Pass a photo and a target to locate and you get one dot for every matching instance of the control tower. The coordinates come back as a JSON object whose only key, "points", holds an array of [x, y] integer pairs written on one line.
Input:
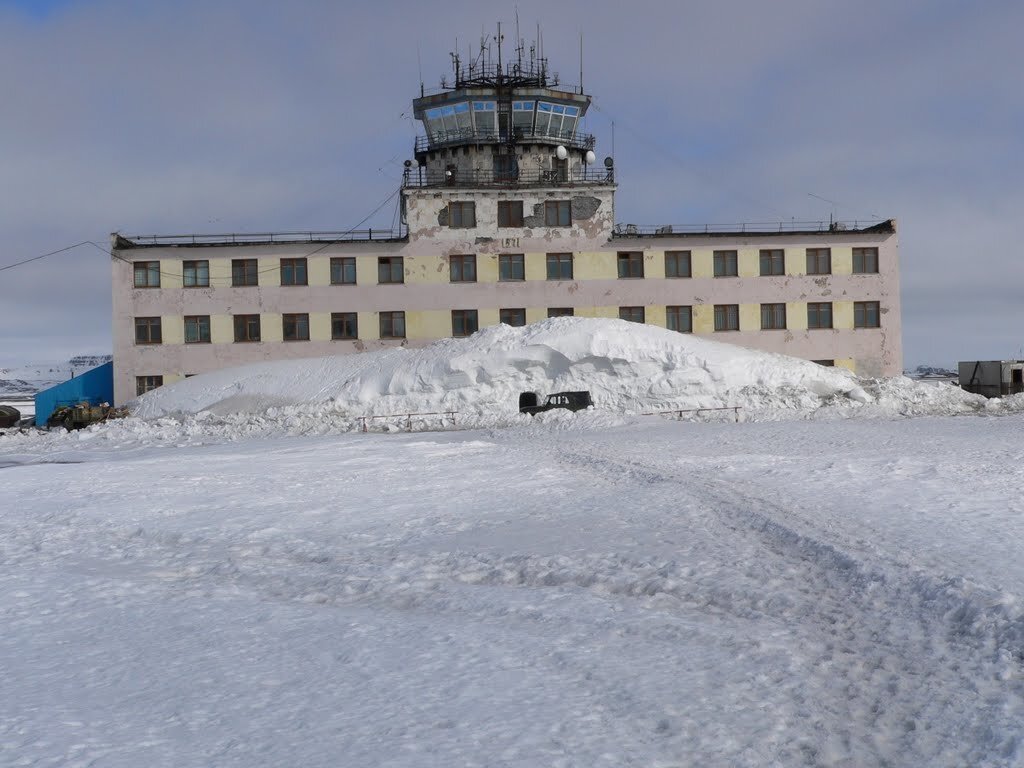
{"points": [[504, 154]]}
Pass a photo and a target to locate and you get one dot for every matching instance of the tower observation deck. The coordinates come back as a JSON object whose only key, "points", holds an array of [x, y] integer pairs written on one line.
{"points": [[504, 124]]}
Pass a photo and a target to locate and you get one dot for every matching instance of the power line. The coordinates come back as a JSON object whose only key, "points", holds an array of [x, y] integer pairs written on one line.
{"points": [[43, 256]]}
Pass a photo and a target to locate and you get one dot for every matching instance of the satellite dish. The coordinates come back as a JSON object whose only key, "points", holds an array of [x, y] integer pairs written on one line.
{"points": [[608, 163], [591, 157], [448, 173], [561, 152]]}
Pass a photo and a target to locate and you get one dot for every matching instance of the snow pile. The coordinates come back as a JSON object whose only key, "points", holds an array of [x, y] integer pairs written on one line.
{"points": [[627, 367]]}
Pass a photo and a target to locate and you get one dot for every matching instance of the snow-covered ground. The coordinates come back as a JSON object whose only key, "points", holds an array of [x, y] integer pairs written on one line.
{"points": [[826, 583]]}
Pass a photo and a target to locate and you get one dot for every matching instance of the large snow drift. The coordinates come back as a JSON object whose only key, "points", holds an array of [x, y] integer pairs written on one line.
{"points": [[627, 367]]}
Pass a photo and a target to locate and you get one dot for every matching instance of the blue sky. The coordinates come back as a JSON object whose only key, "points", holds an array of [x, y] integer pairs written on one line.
{"points": [[225, 115]]}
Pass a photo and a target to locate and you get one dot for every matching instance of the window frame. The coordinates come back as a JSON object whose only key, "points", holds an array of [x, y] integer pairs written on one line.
{"points": [[774, 259], [149, 269], [773, 316], [862, 311], [559, 260], [198, 322], [630, 265], [391, 263], [200, 274], [342, 320], [730, 317], [510, 213], [678, 312], [469, 319], [633, 314], [676, 259], [148, 338], [245, 273], [725, 263], [299, 322], [561, 312], [462, 207], [340, 268], [144, 384], [246, 323], [520, 314], [507, 263], [296, 268], [819, 261], [817, 306], [557, 213], [392, 316], [868, 257], [457, 268]]}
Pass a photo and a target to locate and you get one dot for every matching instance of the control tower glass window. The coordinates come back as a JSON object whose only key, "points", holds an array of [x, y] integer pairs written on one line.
{"points": [[556, 120], [522, 116], [449, 121], [485, 118]]}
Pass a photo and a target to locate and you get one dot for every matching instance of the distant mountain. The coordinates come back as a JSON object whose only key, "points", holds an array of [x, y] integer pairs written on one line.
{"points": [[26, 380], [930, 372]]}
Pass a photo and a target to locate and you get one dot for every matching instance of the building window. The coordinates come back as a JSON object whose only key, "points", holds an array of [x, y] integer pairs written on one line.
{"points": [[390, 269], [144, 384], [819, 314], [557, 213], [462, 269], [247, 327], [510, 213], [464, 322], [511, 267], [865, 261], [825, 363], [244, 272], [677, 264], [505, 168], [392, 325], [631, 264], [819, 261], [147, 330], [147, 274], [773, 262], [679, 319], [195, 274], [197, 329], [559, 266], [343, 270], [461, 215], [727, 317], [295, 327], [293, 272], [725, 264], [773, 317], [866, 314], [344, 325], [632, 314], [513, 317], [561, 312]]}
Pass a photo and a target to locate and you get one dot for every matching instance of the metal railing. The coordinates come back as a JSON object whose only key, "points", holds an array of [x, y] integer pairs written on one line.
{"points": [[269, 237], [678, 412], [442, 139], [365, 421], [423, 177], [653, 230]]}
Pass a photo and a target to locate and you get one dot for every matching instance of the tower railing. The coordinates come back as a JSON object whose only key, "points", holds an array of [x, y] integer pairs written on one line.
{"points": [[424, 177], [442, 139]]}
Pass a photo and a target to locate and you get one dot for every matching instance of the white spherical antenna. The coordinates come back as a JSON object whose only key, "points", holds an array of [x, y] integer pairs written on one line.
{"points": [[591, 157], [561, 153]]}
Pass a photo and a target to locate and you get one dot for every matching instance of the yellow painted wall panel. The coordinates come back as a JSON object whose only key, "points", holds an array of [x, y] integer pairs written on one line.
{"points": [[269, 271], [222, 329], [601, 265], [704, 318], [842, 260], [271, 328], [536, 266], [318, 271], [319, 326], [842, 314], [702, 263], [487, 317], [796, 315], [487, 268], [429, 270], [656, 315], [536, 314], [750, 317], [748, 262], [654, 266], [366, 270], [220, 272], [369, 325], [172, 329], [428, 324], [796, 261], [170, 378], [847, 362], [170, 273], [597, 312]]}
